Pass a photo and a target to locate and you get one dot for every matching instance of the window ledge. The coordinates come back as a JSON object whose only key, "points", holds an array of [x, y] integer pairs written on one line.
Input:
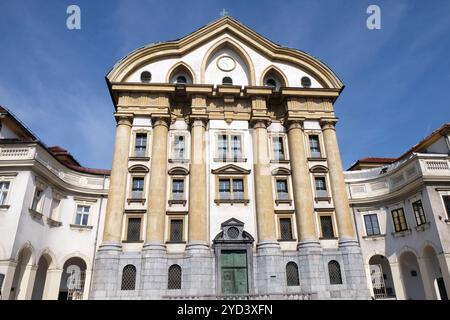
{"points": [[132, 241], [175, 242], [183, 202], [334, 238], [401, 233], [231, 201], [139, 158], [35, 214], [281, 201], [280, 161], [4, 207], [423, 226], [322, 199], [80, 227], [317, 159], [230, 159], [136, 200], [53, 223], [374, 237], [178, 160], [287, 240]]}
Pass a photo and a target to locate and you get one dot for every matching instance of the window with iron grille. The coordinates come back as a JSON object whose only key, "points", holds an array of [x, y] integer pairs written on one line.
{"points": [[278, 148], [141, 144], [4, 188], [282, 189], [177, 189], [398, 216], [314, 146], [138, 188], [371, 222], [179, 147], [285, 229], [134, 229], [128, 277], [334, 272], [236, 147], [326, 224], [292, 274], [176, 230], [418, 212], [223, 146], [174, 279], [446, 200]]}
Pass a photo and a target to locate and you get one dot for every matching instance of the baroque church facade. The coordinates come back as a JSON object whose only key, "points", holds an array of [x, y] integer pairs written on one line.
{"points": [[226, 180]]}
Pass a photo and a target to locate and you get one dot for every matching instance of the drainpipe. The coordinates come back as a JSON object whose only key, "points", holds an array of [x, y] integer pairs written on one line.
{"points": [[96, 234]]}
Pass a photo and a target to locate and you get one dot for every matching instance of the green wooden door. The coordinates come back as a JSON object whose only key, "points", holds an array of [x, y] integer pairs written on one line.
{"points": [[234, 271]]}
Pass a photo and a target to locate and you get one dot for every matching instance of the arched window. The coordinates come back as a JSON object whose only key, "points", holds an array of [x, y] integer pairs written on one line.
{"points": [[227, 80], [146, 76], [292, 274], [128, 277], [181, 80], [271, 83], [334, 272], [174, 281]]}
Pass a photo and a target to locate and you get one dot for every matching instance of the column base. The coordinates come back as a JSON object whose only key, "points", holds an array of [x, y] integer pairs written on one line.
{"points": [[158, 248], [309, 245], [110, 248]]}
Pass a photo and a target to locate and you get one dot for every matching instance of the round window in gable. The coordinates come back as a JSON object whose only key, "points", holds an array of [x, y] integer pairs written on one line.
{"points": [[306, 82], [181, 79], [227, 80], [146, 76], [271, 83]]}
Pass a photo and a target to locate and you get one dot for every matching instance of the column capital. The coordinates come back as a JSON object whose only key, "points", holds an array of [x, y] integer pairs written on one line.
{"points": [[294, 123], [195, 121], [260, 123], [161, 121], [124, 118], [328, 123]]}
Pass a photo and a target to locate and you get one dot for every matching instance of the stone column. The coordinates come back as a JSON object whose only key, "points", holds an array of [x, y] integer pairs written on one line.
{"points": [[27, 283], [398, 281], [427, 279], [263, 185], [301, 182], [117, 189], [339, 193], [157, 194], [52, 284], [8, 268], [198, 219], [444, 264]]}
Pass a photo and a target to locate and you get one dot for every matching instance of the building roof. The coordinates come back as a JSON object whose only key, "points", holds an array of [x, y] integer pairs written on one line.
{"points": [[373, 162], [60, 154]]}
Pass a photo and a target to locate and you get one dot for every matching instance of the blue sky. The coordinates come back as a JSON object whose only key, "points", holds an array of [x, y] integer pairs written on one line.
{"points": [[396, 78]]}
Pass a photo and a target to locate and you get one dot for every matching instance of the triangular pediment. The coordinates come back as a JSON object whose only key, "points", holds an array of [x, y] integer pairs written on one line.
{"points": [[232, 222], [230, 169]]}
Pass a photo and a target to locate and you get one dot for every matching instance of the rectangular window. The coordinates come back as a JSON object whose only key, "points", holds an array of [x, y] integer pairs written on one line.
{"points": [[238, 189], [282, 189], [134, 229], [223, 146], [176, 230], [278, 148], [236, 148], [141, 144], [326, 224], [371, 222], [138, 188], [82, 215], [314, 146], [446, 200], [285, 229], [54, 208], [177, 189], [36, 199], [4, 188], [321, 188], [398, 216], [224, 189], [418, 212], [179, 148]]}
